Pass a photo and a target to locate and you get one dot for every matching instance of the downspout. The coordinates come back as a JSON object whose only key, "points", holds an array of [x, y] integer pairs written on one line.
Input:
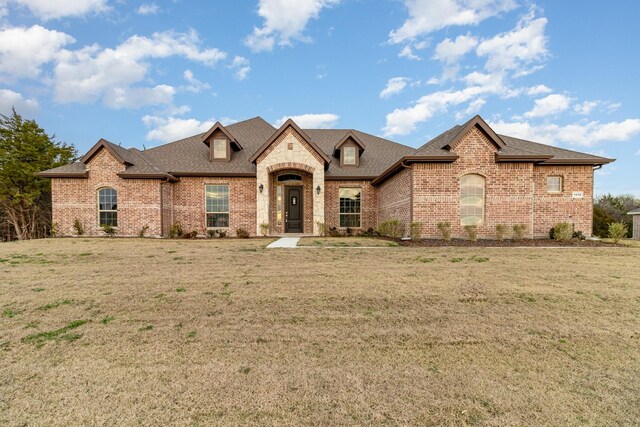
{"points": [[406, 228], [533, 204]]}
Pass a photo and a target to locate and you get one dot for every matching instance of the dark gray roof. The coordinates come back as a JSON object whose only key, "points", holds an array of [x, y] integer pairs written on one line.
{"points": [[190, 156], [634, 212]]}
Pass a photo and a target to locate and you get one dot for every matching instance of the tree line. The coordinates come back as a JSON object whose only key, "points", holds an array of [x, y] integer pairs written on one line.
{"points": [[25, 199]]}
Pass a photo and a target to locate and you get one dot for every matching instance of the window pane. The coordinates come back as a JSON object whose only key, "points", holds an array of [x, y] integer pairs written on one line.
{"points": [[472, 199], [350, 205], [217, 205], [220, 149], [107, 207], [215, 220], [109, 218], [349, 155], [554, 184]]}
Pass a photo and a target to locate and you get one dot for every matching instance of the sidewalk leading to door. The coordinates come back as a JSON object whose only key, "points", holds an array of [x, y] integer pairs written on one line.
{"points": [[284, 242]]}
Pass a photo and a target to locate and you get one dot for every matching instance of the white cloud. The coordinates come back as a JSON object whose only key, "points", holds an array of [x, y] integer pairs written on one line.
{"points": [[49, 9], [195, 85], [407, 52], [584, 134], [148, 9], [638, 153], [549, 105], [311, 121], [125, 97], [404, 121], [426, 16], [538, 90], [395, 85], [9, 99], [473, 108], [167, 129], [241, 65], [450, 51], [92, 73], [23, 51], [518, 48], [285, 20], [586, 107]]}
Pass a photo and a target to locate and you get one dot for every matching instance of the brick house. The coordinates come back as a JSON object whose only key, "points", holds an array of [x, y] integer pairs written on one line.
{"points": [[250, 173]]}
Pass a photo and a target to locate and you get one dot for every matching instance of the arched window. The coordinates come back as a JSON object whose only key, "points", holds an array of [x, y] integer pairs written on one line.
{"points": [[471, 199], [107, 207]]}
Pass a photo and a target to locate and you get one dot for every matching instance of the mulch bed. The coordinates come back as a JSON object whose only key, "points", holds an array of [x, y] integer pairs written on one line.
{"points": [[508, 243]]}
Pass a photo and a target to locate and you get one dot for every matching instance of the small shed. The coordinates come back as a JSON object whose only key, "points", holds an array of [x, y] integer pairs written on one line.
{"points": [[636, 223]]}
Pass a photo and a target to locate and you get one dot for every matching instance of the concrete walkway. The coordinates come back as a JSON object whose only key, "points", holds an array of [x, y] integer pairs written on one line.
{"points": [[284, 242]]}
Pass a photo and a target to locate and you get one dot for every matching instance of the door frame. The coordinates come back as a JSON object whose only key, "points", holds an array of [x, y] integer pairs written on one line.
{"points": [[286, 208]]}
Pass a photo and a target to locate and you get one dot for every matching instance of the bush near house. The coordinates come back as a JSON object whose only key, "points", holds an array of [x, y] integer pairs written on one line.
{"points": [[415, 230], [242, 233], [501, 232], [562, 232], [472, 232], [445, 230], [518, 231], [618, 231]]}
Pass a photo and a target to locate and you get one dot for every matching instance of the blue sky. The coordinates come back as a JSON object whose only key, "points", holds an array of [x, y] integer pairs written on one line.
{"points": [[144, 73]]}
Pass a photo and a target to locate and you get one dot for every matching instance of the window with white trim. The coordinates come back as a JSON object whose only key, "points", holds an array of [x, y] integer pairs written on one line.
{"points": [[554, 184], [472, 193], [107, 207], [217, 206], [350, 207], [219, 148], [349, 155]]}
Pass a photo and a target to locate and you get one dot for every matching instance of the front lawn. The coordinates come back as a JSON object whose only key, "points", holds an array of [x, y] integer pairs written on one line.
{"points": [[226, 332]]}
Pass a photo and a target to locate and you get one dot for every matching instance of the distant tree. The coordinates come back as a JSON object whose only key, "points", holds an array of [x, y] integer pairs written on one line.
{"points": [[25, 149], [609, 209]]}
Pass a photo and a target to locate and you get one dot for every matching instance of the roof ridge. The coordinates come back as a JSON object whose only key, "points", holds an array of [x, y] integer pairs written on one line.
{"points": [[553, 146]]}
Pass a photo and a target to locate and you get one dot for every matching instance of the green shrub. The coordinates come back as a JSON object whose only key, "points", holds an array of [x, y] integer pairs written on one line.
{"points": [[78, 227], [322, 228], [264, 229], [618, 231], [222, 233], [501, 232], [396, 229], [562, 232], [518, 231], [242, 233], [472, 232], [53, 231], [175, 230], [383, 228], [335, 232], [415, 230], [143, 231], [109, 231], [445, 230], [212, 233]]}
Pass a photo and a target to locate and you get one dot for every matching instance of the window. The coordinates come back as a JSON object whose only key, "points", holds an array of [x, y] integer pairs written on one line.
{"points": [[289, 177], [349, 156], [471, 199], [554, 184], [350, 201], [107, 207], [217, 201], [219, 148]]}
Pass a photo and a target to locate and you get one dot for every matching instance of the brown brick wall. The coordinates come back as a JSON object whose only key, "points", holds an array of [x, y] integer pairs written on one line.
{"points": [[138, 199], [368, 205], [509, 192], [189, 203], [394, 198]]}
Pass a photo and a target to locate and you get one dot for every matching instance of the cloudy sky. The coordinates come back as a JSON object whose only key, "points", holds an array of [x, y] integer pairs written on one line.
{"points": [[143, 73]]}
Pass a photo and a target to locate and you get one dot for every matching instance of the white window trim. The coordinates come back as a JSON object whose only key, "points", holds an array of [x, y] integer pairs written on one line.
{"points": [[484, 199], [105, 210], [361, 205], [561, 184], [211, 212], [226, 147], [344, 156]]}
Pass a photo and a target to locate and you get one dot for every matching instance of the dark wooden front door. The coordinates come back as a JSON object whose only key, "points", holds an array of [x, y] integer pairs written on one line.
{"points": [[293, 212]]}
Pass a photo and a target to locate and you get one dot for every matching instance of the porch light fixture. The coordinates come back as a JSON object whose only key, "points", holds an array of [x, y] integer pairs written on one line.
{"points": [[261, 188], [318, 190]]}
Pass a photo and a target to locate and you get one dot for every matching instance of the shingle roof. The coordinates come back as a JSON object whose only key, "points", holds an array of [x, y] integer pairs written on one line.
{"points": [[380, 157], [634, 212]]}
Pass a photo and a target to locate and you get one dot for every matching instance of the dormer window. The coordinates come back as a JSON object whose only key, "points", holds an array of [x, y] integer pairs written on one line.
{"points": [[220, 147], [349, 155]]}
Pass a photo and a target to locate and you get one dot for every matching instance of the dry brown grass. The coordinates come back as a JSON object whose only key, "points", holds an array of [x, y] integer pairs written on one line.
{"points": [[225, 333]]}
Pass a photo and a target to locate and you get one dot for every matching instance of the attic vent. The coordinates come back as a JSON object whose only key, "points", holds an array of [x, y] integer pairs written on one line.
{"points": [[290, 146]]}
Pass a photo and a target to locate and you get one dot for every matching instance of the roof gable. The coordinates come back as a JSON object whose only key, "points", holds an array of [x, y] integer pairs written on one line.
{"points": [[219, 127], [289, 124], [478, 122], [122, 155]]}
